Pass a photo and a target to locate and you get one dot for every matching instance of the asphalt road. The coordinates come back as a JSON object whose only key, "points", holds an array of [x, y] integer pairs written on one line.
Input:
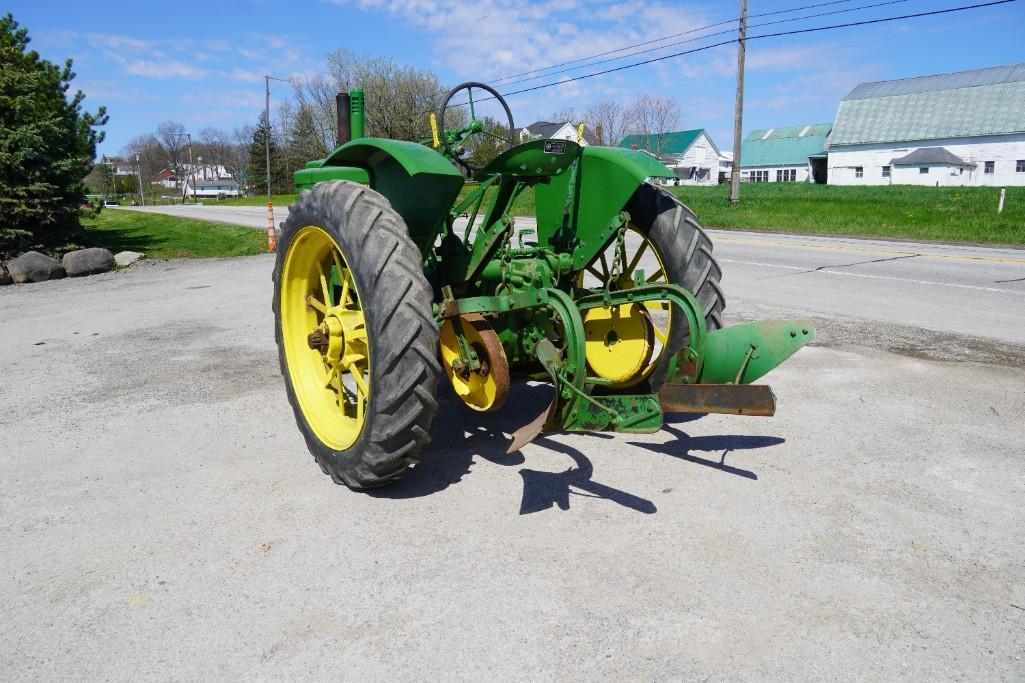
{"points": [[161, 519], [943, 288]]}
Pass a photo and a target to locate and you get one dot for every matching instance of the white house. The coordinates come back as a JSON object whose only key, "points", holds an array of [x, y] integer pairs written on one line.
{"points": [[795, 154], [210, 180], [690, 154], [547, 130], [965, 128]]}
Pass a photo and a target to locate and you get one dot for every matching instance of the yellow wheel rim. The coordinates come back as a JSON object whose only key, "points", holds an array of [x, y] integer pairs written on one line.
{"points": [[619, 341], [487, 387], [658, 313], [324, 335]]}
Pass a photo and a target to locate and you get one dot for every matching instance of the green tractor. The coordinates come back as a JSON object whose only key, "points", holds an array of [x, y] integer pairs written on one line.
{"points": [[386, 280]]}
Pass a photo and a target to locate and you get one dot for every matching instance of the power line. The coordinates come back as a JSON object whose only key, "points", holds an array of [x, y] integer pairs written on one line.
{"points": [[756, 37], [682, 33], [710, 35]]}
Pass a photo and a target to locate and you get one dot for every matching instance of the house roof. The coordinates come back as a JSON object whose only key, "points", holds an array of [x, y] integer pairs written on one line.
{"points": [[546, 129], [789, 146], [963, 104], [677, 142], [931, 155]]}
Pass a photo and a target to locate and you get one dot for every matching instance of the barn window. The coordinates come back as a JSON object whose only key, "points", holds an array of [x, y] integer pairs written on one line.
{"points": [[923, 170], [1020, 167], [859, 171], [886, 171], [990, 167]]}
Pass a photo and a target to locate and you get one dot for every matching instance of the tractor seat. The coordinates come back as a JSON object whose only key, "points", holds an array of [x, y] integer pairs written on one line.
{"points": [[534, 159]]}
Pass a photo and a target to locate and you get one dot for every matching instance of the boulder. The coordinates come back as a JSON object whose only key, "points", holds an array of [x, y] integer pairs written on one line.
{"points": [[34, 267], [88, 261], [5, 277], [127, 258]]}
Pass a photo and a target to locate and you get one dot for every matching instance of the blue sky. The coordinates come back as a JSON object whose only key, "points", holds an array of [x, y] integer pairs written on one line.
{"points": [[202, 63]]}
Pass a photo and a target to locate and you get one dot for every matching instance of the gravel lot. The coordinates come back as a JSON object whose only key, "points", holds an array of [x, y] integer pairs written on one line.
{"points": [[160, 517]]}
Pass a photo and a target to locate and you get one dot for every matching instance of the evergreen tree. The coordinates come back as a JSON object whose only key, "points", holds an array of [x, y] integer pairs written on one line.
{"points": [[47, 145], [281, 182], [304, 140]]}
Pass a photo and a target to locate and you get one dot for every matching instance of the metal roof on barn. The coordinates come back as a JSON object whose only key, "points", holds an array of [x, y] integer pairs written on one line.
{"points": [[789, 146], [672, 143], [963, 104]]}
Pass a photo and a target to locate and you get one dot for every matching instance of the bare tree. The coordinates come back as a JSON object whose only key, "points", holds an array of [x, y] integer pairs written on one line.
{"points": [[237, 162], [608, 121], [654, 115], [170, 136], [399, 98]]}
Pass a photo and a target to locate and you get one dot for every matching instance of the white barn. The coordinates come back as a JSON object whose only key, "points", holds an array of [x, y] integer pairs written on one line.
{"points": [[690, 154], [795, 154], [965, 128]]}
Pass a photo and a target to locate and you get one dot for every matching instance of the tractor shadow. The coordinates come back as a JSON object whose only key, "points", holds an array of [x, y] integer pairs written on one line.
{"points": [[458, 435], [683, 444]]}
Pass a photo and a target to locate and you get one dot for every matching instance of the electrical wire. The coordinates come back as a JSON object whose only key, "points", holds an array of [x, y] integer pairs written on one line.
{"points": [[710, 35], [677, 35], [865, 22]]}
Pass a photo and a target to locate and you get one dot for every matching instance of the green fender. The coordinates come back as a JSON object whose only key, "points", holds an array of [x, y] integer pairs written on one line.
{"points": [[605, 179], [420, 183]]}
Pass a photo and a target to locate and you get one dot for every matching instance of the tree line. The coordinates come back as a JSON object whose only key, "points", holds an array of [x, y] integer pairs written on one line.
{"points": [[399, 99]]}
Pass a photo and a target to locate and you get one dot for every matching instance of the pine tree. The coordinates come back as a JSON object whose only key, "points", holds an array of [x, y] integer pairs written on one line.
{"points": [[47, 146], [304, 140], [281, 183]]}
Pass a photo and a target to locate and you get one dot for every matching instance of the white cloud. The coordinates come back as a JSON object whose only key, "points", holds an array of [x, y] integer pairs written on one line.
{"points": [[163, 69]]}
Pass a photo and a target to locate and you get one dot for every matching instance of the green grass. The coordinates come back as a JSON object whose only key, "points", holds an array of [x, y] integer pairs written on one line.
{"points": [[163, 237], [259, 200], [961, 214]]}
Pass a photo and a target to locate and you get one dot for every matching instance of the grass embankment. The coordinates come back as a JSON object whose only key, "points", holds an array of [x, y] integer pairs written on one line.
{"points": [[163, 237], [960, 214], [260, 200]]}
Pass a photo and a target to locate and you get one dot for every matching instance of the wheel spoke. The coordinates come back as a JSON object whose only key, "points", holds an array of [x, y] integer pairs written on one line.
{"points": [[655, 276], [312, 302], [637, 258], [345, 289], [604, 266], [662, 336], [594, 271], [327, 291]]}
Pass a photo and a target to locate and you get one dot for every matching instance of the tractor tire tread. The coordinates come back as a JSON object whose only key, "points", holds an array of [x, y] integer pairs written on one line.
{"points": [[396, 300]]}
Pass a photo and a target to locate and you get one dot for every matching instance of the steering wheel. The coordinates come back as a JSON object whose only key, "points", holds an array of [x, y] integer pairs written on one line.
{"points": [[475, 127]]}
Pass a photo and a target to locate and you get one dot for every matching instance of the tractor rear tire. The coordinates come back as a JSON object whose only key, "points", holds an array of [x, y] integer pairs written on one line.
{"points": [[687, 253], [385, 267]]}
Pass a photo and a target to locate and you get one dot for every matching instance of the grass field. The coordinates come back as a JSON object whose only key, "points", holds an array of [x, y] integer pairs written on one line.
{"points": [[261, 200], [163, 237], [963, 214]]}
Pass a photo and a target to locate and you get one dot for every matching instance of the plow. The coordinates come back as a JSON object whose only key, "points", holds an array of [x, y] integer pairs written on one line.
{"points": [[401, 266]]}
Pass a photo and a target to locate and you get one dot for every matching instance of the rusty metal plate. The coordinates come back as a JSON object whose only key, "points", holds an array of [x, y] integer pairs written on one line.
{"points": [[731, 399]]}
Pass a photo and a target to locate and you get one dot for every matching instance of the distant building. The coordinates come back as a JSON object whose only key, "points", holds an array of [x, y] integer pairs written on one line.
{"points": [[118, 165], [210, 181], [548, 130], [965, 128], [792, 154], [690, 154]]}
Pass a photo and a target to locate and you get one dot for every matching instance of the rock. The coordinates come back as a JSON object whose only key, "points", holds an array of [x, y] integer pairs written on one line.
{"points": [[5, 277], [127, 258], [88, 261], [34, 267]]}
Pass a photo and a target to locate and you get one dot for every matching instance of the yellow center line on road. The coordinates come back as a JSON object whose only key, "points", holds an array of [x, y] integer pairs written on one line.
{"points": [[867, 250]]}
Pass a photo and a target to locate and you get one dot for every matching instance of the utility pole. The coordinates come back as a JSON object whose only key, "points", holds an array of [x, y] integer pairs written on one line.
{"points": [[271, 240], [142, 195], [192, 168], [738, 122]]}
